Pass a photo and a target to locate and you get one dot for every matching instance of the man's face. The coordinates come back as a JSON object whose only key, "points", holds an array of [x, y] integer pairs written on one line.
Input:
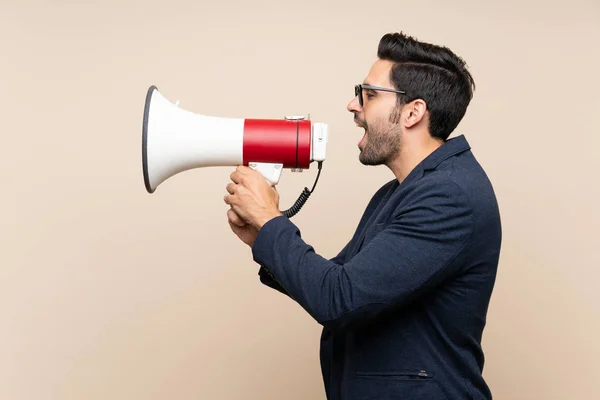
{"points": [[379, 116]]}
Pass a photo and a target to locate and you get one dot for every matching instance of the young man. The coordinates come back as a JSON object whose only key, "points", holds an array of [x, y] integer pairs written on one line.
{"points": [[403, 305]]}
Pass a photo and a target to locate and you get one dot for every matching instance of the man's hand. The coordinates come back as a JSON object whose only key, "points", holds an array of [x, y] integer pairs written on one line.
{"points": [[253, 201], [246, 232]]}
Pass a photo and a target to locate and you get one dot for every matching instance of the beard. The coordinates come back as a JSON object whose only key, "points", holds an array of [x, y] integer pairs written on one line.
{"points": [[383, 139]]}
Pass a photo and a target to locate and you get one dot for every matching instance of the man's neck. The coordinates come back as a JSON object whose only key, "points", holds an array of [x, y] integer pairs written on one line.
{"points": [[411, 154]]}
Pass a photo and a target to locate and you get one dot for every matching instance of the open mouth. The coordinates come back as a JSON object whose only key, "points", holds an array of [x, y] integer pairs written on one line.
{"points": [[361, 143]]}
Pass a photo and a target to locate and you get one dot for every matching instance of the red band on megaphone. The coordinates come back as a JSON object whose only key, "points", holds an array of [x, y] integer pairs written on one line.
{"points": [[284, 142]]}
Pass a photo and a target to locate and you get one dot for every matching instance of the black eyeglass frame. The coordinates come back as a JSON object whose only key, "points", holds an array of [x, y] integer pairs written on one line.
{"points": [[359, 88]]}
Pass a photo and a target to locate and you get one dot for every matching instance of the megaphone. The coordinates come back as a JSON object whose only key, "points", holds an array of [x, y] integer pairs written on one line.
{"points": [[176, 140]]}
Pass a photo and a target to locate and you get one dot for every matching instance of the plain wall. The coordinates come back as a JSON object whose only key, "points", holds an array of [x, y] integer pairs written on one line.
{"points": [[108, 292]]}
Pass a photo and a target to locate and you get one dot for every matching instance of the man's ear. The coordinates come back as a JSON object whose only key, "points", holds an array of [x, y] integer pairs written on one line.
{"points": [[415, 112]]}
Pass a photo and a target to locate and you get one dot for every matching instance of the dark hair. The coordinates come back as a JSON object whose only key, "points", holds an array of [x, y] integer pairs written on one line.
{"points": [[431, 73]]}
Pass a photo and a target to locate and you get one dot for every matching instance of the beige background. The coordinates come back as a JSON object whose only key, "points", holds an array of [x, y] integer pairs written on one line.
{"points": [[107, 292]]}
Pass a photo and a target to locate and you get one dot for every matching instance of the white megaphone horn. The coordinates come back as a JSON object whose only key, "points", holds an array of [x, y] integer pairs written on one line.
{"points": [[175, 140]]}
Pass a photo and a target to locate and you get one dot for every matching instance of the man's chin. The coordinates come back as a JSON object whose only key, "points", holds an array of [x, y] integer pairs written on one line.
{"points": [[366, 160]]}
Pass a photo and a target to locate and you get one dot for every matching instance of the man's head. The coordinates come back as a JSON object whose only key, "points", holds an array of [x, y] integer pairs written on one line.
{"points": [[428, 91]]}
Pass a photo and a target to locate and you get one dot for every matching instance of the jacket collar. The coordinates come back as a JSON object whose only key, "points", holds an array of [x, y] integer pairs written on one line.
{"points": [[449, 149]]}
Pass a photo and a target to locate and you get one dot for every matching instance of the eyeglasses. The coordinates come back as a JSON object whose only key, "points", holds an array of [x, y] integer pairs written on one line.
{"points": [[359, 88]]}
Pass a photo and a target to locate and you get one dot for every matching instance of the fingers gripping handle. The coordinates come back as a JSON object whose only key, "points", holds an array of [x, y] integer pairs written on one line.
{"points": [[271, 172]]}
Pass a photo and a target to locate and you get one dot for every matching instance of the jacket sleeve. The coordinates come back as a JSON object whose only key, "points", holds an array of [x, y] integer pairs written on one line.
{"points": [[413, 253], [267, 278]]}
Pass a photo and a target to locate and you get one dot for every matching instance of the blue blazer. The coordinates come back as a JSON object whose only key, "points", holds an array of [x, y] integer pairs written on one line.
{"points": [[403, 306]]}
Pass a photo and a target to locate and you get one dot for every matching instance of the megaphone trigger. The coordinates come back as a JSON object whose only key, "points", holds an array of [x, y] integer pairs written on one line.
{"points": [[271, 172]]}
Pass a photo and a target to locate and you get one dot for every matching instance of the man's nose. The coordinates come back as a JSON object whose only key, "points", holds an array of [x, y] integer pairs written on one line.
{"points": [[353, 105]]}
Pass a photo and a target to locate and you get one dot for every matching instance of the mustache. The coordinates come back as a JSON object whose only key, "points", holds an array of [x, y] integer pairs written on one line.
{"points": [[360, 122]]}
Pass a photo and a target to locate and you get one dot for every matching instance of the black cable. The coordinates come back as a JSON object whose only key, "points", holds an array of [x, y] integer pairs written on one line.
{"points": [[293, 210]]}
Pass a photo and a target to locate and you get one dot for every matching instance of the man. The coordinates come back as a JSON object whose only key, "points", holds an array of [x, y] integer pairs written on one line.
{"points": [[403, 305]]}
